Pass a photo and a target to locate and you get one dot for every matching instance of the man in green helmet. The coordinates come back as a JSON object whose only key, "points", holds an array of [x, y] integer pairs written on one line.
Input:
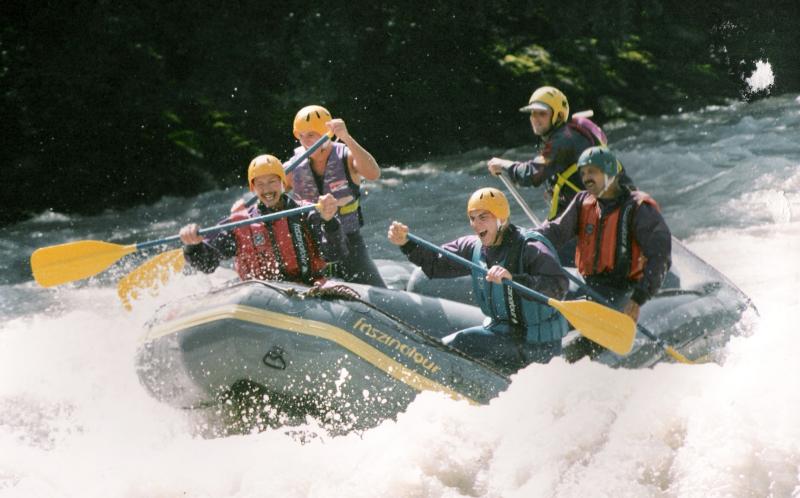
{"points": [[623, 243]]}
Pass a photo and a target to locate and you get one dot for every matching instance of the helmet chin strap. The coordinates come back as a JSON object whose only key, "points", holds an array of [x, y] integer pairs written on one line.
{"points": [[607, 184], [499, 234]]}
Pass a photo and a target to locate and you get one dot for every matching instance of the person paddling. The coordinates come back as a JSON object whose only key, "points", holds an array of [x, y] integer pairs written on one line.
{"points": [[561, 142], [518, 331], [336, 169], [296, 248], [624, 245]]}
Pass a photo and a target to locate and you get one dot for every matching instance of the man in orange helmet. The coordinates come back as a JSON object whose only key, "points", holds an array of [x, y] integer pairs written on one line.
{"points": [[296, 248], [520, 331], [336, 169]]}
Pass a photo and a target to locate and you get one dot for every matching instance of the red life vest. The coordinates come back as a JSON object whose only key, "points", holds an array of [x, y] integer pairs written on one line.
{"points": [[606, 245], [284, 249]]}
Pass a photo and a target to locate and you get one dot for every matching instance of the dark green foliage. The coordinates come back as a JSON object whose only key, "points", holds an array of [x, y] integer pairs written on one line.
{"points": [[110, 104]]}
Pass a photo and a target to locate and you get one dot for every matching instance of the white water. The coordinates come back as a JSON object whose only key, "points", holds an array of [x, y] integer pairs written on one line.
{"points": [[74, 421]]}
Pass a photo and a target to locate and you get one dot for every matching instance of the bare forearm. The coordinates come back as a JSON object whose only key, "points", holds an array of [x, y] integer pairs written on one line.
{"points": [[363, 162]]}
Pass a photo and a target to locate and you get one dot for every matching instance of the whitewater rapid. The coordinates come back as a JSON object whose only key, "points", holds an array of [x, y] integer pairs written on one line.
{"points": [[74, 421]]}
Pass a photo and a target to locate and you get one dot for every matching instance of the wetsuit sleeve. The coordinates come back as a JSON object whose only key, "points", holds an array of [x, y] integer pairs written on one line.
{"points": [[559, 152], [207, 255], [563, 150], [528, 173], [330, 237], [542, 272], [434, 265], [655, 241], [564, 228]]}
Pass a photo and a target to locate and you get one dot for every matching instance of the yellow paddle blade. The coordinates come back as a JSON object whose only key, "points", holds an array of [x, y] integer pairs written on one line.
{"points": [[55, 265], [149, 275], [609, 328]]}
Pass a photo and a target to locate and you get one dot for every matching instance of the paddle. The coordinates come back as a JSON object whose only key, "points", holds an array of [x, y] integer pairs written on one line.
{"points": [[600, 299], [156, 269], [55, 265], [160, 267], [515, 193], [591, 292], [605, 326]]}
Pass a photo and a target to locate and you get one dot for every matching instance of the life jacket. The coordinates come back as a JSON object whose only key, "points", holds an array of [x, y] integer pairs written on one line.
{"points": [[595, 135], [283, 249], [606, 245], [336, 180], [529, 320]]}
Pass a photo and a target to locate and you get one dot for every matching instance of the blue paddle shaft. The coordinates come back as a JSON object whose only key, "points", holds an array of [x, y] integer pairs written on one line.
{"points": [[267, 217], [469, 264], [316, 145], [289, 168], [228, 226]]}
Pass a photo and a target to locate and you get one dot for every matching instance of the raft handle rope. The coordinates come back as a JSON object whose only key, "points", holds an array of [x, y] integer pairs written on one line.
{"points": [[328, 290]]}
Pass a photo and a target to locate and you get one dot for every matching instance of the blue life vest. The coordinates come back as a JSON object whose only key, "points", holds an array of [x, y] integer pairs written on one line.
{"points": [[532, 321], [335, 180]]}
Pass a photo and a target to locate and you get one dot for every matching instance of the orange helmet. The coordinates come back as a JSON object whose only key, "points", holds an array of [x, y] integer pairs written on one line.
{"points": [[492, 200], [311, 118], [265, 165]]}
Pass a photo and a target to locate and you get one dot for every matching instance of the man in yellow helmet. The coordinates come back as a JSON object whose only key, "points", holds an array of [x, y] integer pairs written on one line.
{"points": [[561, 142], [337, 169], [296, 248], [519, 330]]}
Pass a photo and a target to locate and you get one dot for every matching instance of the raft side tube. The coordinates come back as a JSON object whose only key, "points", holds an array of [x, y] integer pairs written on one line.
{"points": [[348, 356]]}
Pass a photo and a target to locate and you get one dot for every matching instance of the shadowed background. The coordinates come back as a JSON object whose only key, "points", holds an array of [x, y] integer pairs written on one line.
{"points": [[114, 104]]}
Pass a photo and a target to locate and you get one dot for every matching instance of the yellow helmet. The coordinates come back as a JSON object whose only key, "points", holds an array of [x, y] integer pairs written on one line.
{"points": [[492, 200], [549, 98], [265, 164], [311, 118]]}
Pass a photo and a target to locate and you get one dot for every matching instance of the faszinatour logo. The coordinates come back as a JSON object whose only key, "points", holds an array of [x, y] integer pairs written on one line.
{"points": [[409, 351]]}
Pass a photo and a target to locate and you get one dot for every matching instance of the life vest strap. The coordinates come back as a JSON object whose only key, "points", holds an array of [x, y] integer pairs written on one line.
{"points": [[561, 181], [349, 208]]}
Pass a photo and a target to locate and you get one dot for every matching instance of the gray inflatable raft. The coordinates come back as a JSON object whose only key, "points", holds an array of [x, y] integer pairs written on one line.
{"points": [[355, 355]]}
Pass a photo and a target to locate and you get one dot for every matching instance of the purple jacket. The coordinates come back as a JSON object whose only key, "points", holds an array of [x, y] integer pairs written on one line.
{"points": [[541, 269]]}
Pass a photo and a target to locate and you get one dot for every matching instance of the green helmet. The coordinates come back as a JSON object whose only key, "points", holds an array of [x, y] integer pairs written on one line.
{"points": [[602, 158]]}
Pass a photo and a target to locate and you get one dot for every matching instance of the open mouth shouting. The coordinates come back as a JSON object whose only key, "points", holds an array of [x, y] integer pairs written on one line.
{"points": [[269, 198]]}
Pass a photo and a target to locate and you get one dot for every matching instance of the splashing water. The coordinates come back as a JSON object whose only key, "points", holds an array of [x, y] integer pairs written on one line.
{"points": [[74, 421], [762, 78]]}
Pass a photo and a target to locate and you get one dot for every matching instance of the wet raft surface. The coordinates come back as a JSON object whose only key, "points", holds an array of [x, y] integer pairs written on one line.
{"points": [[356, 355]]}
